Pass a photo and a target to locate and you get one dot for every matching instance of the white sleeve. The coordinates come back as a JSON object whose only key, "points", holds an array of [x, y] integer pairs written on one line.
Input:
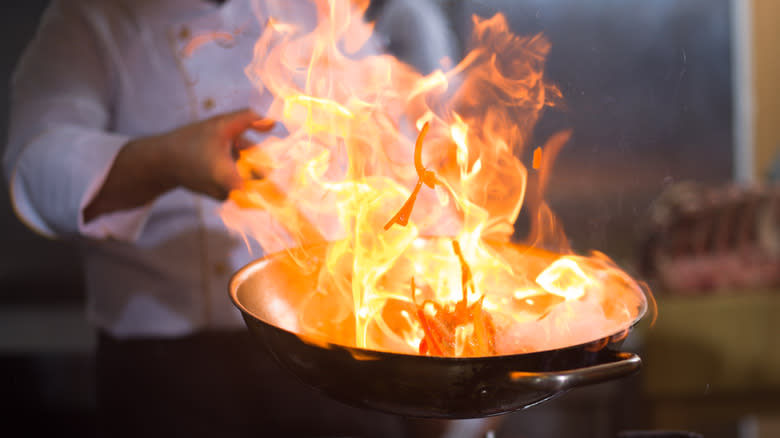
{"points": [[60, 149]]}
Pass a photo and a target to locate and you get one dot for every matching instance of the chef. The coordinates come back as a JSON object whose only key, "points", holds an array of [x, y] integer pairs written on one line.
{"points": [[122, 138]]}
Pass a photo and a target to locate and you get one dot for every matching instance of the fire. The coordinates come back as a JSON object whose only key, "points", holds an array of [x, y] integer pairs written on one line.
{"points": [[366, 136], [465, 330]]}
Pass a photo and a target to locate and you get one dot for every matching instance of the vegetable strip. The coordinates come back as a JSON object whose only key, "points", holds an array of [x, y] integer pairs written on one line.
{"points": [[425, 176], [440, 330], [465, 273]]}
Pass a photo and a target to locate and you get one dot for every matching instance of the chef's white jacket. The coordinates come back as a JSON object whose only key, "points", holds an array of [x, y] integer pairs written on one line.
{"points": [[99, 73]]}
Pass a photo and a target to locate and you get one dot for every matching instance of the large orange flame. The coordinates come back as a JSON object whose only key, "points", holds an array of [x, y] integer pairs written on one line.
{"points": [[349, 163]]}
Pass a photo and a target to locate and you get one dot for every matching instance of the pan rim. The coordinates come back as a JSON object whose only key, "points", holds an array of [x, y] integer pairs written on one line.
{"points": [[246, 271]]}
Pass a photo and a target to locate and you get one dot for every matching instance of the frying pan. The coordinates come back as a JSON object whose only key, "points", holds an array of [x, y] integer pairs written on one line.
{"points": [[269, 293]]}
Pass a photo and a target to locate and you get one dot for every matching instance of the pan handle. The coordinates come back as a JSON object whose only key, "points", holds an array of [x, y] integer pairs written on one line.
{"points": [[621, 364]]}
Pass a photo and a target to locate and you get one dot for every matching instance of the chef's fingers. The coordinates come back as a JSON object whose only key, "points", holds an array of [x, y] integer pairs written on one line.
{"points": [[249, 171], [233, 124], [263, 125], [242, 143], [226, 178]]}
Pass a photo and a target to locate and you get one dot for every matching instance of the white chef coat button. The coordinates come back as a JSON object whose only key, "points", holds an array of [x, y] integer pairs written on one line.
{"points": [[220, 268], [185, 33], [208, 104]]}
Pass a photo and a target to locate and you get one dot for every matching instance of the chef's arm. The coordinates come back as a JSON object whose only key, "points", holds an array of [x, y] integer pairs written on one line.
{"points": [[69, 173], [59, 144], [198, 157]]}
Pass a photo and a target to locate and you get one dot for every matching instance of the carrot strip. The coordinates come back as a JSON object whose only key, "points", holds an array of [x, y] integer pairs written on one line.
{"points": [[423, 347], [418, 166], [424, 176], [403, 215], [440, 329], [443, 333], [537, 163], [481, 329], [465, 272], [431, 343]]}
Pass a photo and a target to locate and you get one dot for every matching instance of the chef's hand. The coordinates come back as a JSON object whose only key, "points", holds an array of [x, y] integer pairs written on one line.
{"points": [[198, 157], [202, 154]]}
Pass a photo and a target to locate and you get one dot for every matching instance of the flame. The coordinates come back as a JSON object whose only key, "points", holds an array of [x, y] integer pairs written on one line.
{"points": [[353, 155]]}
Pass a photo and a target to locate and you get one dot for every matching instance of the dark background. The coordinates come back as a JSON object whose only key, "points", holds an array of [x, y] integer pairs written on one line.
{"points": [[29, 264], [648, 88]]}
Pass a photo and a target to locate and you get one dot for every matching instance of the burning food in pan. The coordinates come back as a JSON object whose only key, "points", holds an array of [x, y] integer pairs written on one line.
{"points": [[437, 276]]}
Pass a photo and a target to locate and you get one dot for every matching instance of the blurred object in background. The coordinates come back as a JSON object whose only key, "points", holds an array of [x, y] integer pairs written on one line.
{"points": [[648, 93], [774, 172], [658, 434], [713, 239], [33, 270]]}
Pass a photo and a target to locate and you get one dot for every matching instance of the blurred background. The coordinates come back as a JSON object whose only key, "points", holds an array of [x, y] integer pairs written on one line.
{"points": [[674, 110]]}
